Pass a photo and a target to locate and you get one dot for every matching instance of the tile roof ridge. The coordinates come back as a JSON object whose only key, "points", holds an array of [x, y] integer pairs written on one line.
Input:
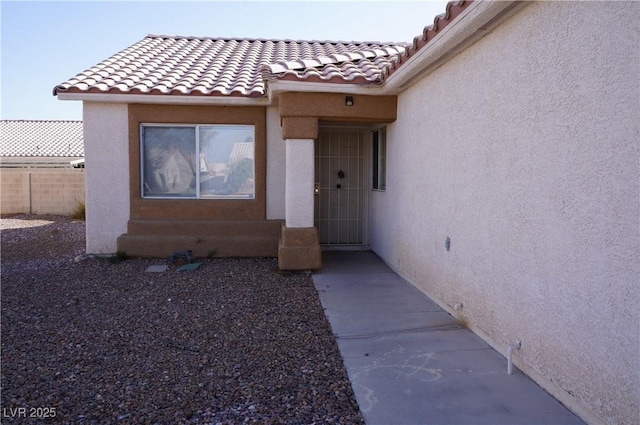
{"points": [[278, 40], [452, 10], [440, 21]]}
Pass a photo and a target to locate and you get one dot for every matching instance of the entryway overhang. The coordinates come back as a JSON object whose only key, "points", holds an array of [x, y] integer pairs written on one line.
{"points": [[300, 115], [300, 112]]}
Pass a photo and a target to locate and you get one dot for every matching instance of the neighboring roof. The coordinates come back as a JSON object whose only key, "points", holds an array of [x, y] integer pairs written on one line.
{"points": [[41, 138], [230, 67]]}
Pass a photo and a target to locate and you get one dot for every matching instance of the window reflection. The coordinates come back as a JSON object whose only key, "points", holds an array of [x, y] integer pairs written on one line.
{"points": [[225, 161]]}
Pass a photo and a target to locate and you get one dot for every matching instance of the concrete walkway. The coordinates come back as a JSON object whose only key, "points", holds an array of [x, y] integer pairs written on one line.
{"points": [[410, 362]]}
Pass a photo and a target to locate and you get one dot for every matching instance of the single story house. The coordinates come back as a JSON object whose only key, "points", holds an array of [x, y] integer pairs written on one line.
{"points": [[493, 163]]}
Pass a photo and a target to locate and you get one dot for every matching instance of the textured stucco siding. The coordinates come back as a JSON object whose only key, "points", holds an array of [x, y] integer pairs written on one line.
{"points": [[299, 183], [276, 167], [524, 150], [106, 149]]}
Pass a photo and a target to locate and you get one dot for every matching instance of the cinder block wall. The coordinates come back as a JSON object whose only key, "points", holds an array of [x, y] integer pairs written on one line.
{"points": [[14, 191], [41, 191]]}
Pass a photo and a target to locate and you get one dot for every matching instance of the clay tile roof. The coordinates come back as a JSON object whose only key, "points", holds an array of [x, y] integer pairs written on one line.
{"points": [[41, 138], [161, 64], [364, 66], [453, 9]]}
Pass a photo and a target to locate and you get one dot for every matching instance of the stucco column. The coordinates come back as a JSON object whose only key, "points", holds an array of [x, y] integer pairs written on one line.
{"points": [[299, 183], [299, 248], [107, 196]]}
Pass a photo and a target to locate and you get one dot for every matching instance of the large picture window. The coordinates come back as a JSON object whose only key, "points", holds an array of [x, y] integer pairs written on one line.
{"points": [[197, 161]]}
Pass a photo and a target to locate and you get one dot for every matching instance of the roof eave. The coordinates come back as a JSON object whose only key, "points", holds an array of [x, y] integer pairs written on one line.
{"points": [[473, 23], [165, 99], [279, 86]]}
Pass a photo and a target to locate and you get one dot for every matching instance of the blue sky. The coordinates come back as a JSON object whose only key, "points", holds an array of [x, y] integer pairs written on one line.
{"points": [[45, 43]]}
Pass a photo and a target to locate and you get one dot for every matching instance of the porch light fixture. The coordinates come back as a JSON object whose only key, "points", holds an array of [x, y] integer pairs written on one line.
{"points": [[348, 100]]}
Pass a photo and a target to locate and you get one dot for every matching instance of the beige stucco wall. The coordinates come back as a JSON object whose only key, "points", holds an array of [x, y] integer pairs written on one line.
{"points": [[276, 170], [106, 149], [524, 150], [41, 191]]}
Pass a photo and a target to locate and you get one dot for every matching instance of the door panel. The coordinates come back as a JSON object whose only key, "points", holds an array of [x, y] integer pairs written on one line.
{"points": [[340, 202]]}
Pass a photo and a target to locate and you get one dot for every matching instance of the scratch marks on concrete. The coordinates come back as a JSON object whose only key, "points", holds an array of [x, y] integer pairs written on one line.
{"points": [[411, 368]]}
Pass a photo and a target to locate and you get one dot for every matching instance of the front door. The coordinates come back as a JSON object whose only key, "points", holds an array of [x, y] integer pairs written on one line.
{"points": [[340, 194]]}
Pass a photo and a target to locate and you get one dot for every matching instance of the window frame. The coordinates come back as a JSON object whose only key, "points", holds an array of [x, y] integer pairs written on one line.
{"points": [[379, 159], [197, 196]]}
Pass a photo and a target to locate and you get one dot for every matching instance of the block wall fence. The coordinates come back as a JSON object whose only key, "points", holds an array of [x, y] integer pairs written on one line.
{"points": [[47, 191]]}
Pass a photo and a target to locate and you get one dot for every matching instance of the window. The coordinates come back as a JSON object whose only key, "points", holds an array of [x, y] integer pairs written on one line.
{"points": [[197, 161], [379, 148]]}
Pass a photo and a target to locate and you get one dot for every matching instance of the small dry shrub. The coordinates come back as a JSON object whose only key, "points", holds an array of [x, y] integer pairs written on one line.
{"points": [[79, 212]]}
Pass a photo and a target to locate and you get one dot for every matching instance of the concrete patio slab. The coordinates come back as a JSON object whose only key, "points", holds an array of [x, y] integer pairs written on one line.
{"points": [[410, 362], [370, 325], [370, 289], [351, 262]]}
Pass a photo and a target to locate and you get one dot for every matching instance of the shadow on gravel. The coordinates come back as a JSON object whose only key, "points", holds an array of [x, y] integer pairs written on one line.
{"points": [[93, 342]]}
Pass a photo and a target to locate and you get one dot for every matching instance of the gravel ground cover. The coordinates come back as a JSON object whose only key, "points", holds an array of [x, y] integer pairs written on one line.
{"points": [[86, 341]]}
